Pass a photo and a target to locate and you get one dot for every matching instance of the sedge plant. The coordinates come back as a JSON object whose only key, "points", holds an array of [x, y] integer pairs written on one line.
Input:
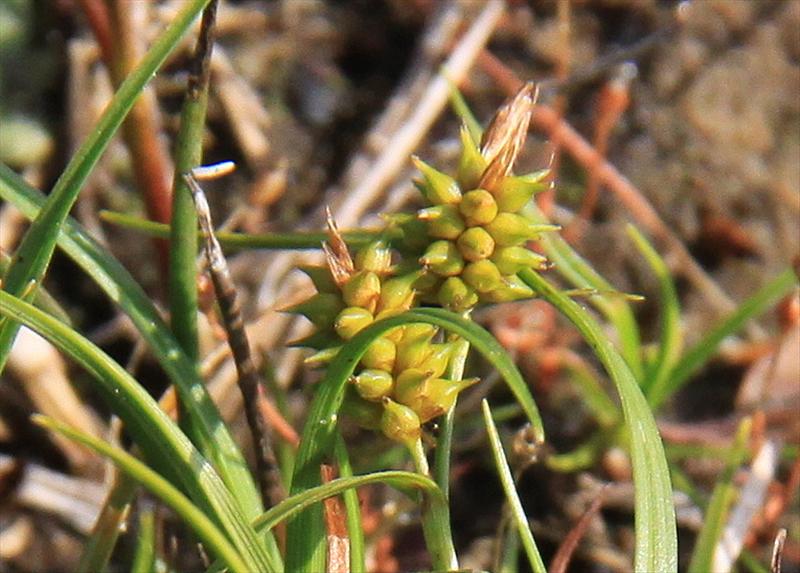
{"points": [[392, 329]]}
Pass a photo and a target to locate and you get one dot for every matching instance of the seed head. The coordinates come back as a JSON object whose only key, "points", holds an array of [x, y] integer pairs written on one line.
{"points": [[478, 207], [400, 423], [475, 244], [438, 188], [373, 385], [351, 321]]}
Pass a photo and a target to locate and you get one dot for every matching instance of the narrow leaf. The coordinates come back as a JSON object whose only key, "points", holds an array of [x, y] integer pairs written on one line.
{"points": [[580, 274], [670, 340], [214, 539], [698, 355], [33, 255], [239, 241], [206, 427], [656, 533], [510, 489], [718, 507], [161, 441]]}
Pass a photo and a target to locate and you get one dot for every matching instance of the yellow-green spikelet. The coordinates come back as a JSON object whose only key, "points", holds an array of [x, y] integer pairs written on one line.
{"points": [[476, 232], [468, 244], [369, 291]]}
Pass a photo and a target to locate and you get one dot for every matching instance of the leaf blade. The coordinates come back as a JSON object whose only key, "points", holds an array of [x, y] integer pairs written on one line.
{"points": [[656, 531], [160, 439], [206, 530], [509, 488], [36, 249]]}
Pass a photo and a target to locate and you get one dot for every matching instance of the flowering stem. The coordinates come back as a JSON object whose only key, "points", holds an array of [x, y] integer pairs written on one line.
{"points": [[441, 463], [420, 459], [435, 525]]}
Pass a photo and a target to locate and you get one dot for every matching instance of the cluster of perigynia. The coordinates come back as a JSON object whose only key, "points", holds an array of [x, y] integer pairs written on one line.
{"points": [[464, 248]]}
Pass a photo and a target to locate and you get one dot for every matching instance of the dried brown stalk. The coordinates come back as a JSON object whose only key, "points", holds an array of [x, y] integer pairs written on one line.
{"points": [[249, 381]]}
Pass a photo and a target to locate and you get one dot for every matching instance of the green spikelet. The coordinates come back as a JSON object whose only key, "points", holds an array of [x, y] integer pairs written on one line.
{"points": [[513, 289], [438, 188], [478, 207], [351, 321], [318, 340], [437, 359], [414, 346], [511, 260], [475, 244], [373, 385], [428, 397], [400, 423], [443, 221], [483, 276], [363, 289], [380, 355], [321, 309], [415, 235], [510, 229], [409, 384], [322, 357], [456, 295], [443, 258], [471, 163], [514, 192], [375, 257], [397, 294]]}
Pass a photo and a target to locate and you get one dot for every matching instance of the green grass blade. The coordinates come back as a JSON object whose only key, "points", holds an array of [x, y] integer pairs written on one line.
{"points": [[145, 554], [404, 481], [444, 441], [718, 507], [697, 356], [100, 544], [671, 339], [208, 431], [306, 547], [510, 489], [580, 274], [183, 243], [435, 503], [42, 299], [232, 242], [161, 441], [355, 529], [602, 407], [208, 532], [656, 534], [33, 255], [462, 110]]}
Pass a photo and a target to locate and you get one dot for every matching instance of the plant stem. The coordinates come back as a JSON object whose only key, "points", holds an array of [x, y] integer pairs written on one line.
{"points": [[189, 151], [435, 526], [441, 462], [355, 529], [239, 241], [420, 459]]}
